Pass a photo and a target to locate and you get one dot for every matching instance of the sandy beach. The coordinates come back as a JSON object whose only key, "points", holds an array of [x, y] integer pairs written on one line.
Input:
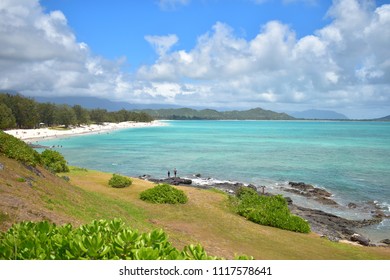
{"points": [[50, 133]]}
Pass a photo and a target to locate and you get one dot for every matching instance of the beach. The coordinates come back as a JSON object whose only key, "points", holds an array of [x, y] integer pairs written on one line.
{"points": [[52, 133]]}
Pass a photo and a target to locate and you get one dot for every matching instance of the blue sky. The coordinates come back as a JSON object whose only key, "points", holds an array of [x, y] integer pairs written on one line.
{"points": [[283, 55], [115, 28]]}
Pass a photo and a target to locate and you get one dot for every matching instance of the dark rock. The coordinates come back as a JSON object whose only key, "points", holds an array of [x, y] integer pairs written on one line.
{"points": [[198, 175], [289, 200], [252, 187], [34, 170], [360, 239], [310, 191], [145, 177], [352, 205], [326, 201], [329, 225], [172, 181], [385, 241]]}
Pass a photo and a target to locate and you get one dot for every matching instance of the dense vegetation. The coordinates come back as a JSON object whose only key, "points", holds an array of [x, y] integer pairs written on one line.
{"points": [[17, 149], [191, 114], [54, 161], [164, 193], [17, 111], [118, 181], [99, 240], [267, 210]]}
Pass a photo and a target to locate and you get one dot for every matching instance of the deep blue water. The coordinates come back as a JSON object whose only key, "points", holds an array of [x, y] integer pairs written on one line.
{"points": [[350, 159]]}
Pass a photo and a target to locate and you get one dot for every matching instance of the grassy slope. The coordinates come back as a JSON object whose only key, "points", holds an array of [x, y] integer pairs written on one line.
{"points": [[205, 219]]}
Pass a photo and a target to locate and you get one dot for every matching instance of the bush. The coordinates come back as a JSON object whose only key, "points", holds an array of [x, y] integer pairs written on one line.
{"points": [[54, 161], [268, 210], [118, 181], [16, 149], [99, 240], [164, 193]]}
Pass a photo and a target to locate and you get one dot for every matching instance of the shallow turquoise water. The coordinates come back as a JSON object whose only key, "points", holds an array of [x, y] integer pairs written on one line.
{"points": [[350, 159]]}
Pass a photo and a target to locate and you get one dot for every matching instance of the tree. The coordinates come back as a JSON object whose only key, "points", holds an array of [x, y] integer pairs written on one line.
{"points": [[65, 115], [46, 113], [25, 111], [98, 115], [82, 115], [7, 119]]}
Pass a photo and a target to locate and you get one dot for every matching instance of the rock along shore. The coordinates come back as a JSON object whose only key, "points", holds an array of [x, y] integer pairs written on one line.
{"points": [[327, 225]]}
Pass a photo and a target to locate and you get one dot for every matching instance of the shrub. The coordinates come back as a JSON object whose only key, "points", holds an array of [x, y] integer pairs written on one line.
{"points": [[54, 161], [267, 210], [164, 193], [99, 240], [118, 181], [16, 149]]}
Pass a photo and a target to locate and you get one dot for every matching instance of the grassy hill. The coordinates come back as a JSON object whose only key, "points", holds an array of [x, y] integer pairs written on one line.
{"points": [[35, 194]]}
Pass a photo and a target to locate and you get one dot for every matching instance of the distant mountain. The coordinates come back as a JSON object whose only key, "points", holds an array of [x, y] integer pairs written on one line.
{"points": [[208, 114], [319, 115], [387, 118], [94, 102]]}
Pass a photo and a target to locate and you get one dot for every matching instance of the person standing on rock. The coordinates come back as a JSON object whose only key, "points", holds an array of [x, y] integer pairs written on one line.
{"points": [[169, 174], [175, 172]]}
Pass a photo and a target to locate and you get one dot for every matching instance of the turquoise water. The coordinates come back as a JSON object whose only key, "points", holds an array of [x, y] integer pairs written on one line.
{"points": [[349, 159]]}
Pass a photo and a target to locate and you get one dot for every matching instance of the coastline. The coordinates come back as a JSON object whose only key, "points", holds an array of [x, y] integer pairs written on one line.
{"points": [[39, 134], [325, 224]]}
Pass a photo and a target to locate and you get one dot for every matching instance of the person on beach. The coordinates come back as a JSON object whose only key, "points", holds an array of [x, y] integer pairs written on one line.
{"points": [[169, 174], [175, 172]]}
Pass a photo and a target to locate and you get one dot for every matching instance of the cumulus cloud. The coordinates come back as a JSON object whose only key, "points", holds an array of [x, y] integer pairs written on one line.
{"points": [[345, 64], [39, 54]]}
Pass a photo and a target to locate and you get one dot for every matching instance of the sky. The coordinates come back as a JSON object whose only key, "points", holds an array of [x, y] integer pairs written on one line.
{"points": [[282, 55]]}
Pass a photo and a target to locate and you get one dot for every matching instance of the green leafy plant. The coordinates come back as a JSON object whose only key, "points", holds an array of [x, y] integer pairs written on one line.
{"points": [[98, 240], [17, 149], [267, 210], [118, 181], [164, 193], [54, 161]]}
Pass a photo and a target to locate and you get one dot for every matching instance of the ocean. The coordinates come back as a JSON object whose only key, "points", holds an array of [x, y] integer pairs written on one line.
{"points": [[350, 159]]}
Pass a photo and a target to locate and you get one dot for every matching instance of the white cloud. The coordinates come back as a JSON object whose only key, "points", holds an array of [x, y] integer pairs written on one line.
{"points": [[172, 4], [39, 54], [162, 44], [345, 64]]}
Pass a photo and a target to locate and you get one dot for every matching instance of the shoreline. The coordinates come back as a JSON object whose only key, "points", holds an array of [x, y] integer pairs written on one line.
{"points": [[40, 134], [323, 223]]}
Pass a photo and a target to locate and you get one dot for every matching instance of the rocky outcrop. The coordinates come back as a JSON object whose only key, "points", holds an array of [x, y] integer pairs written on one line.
{"points": [[360, 239], [334, 227], [385, 241], [172, 181], [310, 191]]}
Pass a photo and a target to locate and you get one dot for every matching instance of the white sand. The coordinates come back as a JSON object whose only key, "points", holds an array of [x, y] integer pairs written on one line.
{"points": [[47, 133]]}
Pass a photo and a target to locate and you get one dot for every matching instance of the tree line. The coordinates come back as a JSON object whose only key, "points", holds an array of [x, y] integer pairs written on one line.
{"points": [[17, 111]]}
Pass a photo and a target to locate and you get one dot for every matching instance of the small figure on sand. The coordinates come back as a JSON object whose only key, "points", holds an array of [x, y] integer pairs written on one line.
{"points": [[169, 174], [174, 172]]}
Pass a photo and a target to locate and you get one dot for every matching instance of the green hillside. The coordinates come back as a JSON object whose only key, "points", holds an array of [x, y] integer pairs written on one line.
{"points": [[208, 114]]}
